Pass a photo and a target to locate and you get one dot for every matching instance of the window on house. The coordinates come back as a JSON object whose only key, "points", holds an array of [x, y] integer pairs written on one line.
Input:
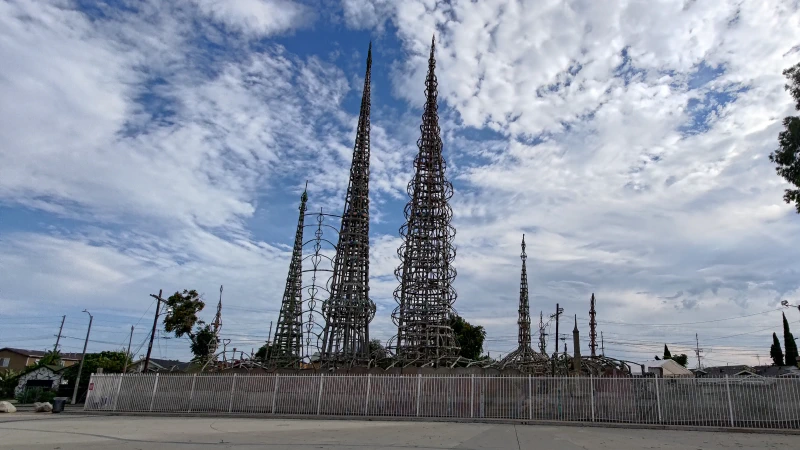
{"points": [[4, 362]]}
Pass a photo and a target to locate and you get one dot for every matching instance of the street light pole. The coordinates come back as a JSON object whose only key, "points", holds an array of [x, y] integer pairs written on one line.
{"points": [[83, 357]]}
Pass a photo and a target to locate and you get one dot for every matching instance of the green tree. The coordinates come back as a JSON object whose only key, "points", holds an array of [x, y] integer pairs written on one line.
{"points": [[377, 350], [667, 354], [681, 359], [264, 352], [110, 362], [469, 337], [789, 344], [182, 316], [775, 351], [202, 342], [787, 157], [8, 381]]}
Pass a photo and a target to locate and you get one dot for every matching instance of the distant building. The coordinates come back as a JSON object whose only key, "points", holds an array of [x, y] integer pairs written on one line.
{"points": [[667, 368], [160, 365], [45, 377], [777, 371], [740, 370], [18, 359]]}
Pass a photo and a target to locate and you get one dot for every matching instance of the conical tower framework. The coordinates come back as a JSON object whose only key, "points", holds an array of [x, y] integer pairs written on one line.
{"points": [[524, 357], [287, 345], [216, 327], [425, 296], [592, 328], [349, 310]]}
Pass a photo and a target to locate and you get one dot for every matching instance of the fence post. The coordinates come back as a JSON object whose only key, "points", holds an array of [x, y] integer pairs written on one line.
{"points": [[275, 392], [116, 396], [419, 390], [233, 386], [472, 395], [153, 398], [591, 391], [319, 396], [89, 392], [658, 400], [530, 397], [191, 393], [369, 384], [730, 404]]}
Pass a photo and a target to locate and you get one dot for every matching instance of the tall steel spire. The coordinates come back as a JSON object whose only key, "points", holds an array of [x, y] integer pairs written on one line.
{"points": [[287, 345], [425, 296], [592, 328], [349, 309], [524, 356]]}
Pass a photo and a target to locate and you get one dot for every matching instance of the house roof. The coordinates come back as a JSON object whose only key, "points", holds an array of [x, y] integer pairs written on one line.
{"points": [[167, 364], [728, 370], [777, 371], [40, 353], [668, 367]]}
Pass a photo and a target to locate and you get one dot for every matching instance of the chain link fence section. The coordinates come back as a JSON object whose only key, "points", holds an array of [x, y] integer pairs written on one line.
{"points": [[719, 402]]}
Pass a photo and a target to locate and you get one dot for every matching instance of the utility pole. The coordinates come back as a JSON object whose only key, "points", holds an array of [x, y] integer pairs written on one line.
{"points": [[128, 353], [58, 339], [83, 357], [559, 310], [153, 333], [697, 351], [602, 345]]}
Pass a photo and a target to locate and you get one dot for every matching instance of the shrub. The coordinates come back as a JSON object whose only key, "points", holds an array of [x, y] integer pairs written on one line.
{"points": [[36, 394]]}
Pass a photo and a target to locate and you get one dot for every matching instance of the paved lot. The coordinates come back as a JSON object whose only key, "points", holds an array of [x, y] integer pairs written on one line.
{"points": [[71, 432]]}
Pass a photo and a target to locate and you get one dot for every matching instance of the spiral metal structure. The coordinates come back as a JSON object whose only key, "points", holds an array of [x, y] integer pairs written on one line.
{"points": [[524, 358], [287, 345], [349, 310], [425, 296]]}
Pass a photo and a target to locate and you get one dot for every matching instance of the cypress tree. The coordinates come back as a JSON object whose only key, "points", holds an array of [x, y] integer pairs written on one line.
{"points": [[789, 344], [775, 351], [667, 354]]}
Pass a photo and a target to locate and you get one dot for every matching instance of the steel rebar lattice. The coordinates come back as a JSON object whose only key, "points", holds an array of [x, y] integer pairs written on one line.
{"points": [[592, 328], [287, 345], [425, 296], [524, 357], [349, 309]]}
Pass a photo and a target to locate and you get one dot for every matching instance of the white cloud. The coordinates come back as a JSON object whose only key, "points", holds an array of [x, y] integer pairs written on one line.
{"points": [[258, 17]]}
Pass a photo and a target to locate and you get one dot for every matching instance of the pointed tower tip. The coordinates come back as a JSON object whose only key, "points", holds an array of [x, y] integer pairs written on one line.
{"points": [[575, 330]]}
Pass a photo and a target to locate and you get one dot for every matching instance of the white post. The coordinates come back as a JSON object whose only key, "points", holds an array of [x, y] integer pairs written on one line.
{"points": [[153, 398], [116, 396], [191, 393], [472, 395], [366, 403], [275, 392], [530, 398], [658, 400], [88, 393], [419, 390], [233, 386], [319, 396], [591, 391], [730, 404]]}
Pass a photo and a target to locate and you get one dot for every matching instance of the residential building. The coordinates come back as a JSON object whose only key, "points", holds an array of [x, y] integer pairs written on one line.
{"points": [[667, 368], [18, 359], [160, 365]]}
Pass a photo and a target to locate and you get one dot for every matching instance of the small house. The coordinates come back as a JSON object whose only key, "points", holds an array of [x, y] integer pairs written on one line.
{"points": [[45, 377]]}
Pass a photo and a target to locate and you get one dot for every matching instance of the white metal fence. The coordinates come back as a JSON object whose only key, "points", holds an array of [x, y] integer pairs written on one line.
{"points": [[729, 402]]}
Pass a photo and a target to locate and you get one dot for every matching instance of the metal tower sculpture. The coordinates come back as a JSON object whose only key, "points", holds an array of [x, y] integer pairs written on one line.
{"points": [[592, 328], [425, 296], [216, 327], [287, 345], [349, 310], [524, 356]]}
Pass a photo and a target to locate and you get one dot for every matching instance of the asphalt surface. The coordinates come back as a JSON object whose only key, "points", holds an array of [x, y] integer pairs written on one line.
{"points": [[72, 432]]}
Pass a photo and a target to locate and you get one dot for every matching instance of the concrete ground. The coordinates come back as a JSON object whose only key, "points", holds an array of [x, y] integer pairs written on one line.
{"points": [[72, 432]]}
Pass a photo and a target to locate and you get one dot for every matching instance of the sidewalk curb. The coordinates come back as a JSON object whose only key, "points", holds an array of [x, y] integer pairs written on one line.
{"points": [[631, 426]]}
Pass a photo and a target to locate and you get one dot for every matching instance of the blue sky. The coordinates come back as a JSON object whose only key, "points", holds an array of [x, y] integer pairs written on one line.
{"points": [[154, 145]]}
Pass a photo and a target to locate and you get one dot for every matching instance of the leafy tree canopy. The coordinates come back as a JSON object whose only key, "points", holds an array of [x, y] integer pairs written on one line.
{"points": [[264, 352], [787, 156], [183, 309], [202, 342], [469, 337], [111, 362], [377, 350]]}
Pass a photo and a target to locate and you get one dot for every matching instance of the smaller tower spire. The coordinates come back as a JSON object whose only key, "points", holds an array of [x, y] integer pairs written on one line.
{"points": [[576, 341], [592, 328]]}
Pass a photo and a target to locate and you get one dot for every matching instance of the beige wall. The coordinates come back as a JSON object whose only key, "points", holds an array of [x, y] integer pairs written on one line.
{"points": [[19, 362]]}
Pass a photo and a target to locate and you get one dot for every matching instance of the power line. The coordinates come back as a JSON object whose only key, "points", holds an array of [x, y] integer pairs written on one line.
{"points": [[684, 323]]}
